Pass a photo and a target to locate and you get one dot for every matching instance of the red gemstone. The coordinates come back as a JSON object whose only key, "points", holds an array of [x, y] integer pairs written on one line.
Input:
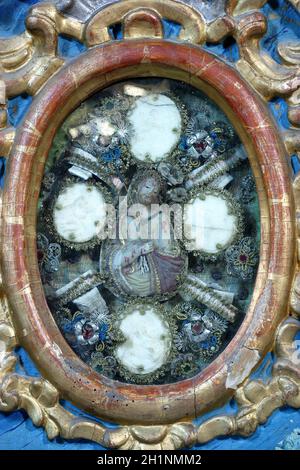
{"points": [[201, 145], [197, 328], [243, 258], [87, 331]]}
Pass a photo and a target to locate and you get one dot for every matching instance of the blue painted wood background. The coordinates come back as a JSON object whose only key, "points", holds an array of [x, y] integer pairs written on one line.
{"points": [[282, 431]]}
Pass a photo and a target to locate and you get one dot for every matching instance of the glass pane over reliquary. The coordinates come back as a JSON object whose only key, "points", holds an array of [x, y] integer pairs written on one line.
{"points": [[148, 231]]}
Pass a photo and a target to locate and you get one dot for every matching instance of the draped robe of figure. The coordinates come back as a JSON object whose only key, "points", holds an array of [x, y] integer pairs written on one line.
{"points": [[142, 265]]}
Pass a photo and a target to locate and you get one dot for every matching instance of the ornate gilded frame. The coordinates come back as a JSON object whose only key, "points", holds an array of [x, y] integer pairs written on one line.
{"points": [[152, 416]]}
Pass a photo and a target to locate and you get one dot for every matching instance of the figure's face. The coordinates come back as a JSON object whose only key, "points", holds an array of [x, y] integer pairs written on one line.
{"points": [[148, 191]]}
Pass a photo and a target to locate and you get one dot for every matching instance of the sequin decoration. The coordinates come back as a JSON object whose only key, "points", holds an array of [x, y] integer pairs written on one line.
{"points": [[242, 258]]}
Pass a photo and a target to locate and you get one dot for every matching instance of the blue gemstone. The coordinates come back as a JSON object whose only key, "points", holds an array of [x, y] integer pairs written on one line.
{"points": [[117, 152], [183, 143], [102, 332], [68, 327], [107, 157]]}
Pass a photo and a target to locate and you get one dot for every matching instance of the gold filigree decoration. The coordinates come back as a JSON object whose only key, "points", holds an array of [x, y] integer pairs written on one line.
{"points": [[26, 63]]}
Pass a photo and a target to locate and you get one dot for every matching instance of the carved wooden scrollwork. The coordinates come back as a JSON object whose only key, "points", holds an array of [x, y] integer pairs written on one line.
{"points": [[193, 25], [26, 65]]}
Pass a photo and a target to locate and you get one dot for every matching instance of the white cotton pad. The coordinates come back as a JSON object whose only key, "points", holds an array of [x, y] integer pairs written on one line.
{"points": [[209, 224], [79, 213], [156, 127], [148, 341]]}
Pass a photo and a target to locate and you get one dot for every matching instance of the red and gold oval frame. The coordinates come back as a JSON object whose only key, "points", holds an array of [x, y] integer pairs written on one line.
{"points": [[35, 327]]}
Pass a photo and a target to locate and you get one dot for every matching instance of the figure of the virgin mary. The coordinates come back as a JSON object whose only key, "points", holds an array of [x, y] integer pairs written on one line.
{"points": [[141, 266]]}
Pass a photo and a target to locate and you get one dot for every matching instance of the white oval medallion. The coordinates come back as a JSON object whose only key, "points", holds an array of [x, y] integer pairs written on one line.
{"points": [[79, 213], [210, 223], [156, 127], [148, 340]]}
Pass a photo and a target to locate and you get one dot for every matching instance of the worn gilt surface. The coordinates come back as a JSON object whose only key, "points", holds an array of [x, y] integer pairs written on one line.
{"points": [[26, 63]]}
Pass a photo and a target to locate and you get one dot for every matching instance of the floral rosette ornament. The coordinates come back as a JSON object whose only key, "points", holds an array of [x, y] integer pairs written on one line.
{"points": [[48, 254], [86, 332], [242, 258]]}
